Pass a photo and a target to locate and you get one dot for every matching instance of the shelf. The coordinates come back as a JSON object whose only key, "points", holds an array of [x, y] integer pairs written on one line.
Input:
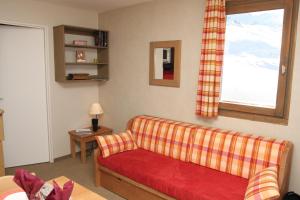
{"points": [[64, 36], [84, 47], [68, 63]]}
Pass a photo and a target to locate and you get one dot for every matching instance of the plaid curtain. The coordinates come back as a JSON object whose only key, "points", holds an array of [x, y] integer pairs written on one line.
{"points": [[211, 59]]}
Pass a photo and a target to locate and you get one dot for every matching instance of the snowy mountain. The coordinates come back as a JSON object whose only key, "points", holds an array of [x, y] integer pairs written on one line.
{"points": [[252, 57]]}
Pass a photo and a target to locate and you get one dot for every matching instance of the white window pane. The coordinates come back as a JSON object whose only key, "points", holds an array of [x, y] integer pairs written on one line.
{"points": [[252, 58]]}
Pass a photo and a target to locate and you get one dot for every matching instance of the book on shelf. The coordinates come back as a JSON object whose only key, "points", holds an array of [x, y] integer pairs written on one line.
{"points": [[101, 39], [78, 76], [80, 42]]}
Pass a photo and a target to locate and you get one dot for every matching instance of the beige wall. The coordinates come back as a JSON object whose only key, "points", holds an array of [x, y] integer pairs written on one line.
{"points": [[128, 92], [70, 102]]}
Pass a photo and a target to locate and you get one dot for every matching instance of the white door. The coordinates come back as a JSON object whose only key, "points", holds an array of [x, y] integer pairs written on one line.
{"points": [[23, 93]]}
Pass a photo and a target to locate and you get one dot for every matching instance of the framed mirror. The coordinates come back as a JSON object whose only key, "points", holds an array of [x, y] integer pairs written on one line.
{"points": [[165, 60]]}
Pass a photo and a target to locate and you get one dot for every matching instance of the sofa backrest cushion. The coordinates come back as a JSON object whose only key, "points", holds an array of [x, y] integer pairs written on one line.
{"points": [[227, 151], [166, 137], [233, 152]]}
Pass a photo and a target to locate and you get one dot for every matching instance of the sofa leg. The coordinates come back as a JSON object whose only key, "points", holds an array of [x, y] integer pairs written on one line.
{"points": [[96, 168]]}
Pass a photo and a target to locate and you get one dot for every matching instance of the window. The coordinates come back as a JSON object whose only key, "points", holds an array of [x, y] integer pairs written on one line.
{"points": [[258, 56]]}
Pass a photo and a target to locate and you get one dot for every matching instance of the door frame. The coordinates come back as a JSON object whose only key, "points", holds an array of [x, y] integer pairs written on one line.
{"points": [[47, 77]]}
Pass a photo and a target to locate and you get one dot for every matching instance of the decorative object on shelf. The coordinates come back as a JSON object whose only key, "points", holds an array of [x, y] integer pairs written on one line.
{"points": [[80, 42], [86, 63], [96, 60], [96, 110], [78, 76], [80, 56], [101, 39]]}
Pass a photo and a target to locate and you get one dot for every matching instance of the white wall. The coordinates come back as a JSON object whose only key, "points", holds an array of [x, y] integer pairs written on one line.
{"points": [[128, 93], [70, 101]]}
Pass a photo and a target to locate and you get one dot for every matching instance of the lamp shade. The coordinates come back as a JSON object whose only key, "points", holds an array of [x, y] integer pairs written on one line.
{"points": [[96, 109]]}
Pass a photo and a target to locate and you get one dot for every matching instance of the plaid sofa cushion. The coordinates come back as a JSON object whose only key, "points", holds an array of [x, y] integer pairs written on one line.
{"points": [[227, 151], [166, 137], [263, 185], [234, 153], [116, 143]]}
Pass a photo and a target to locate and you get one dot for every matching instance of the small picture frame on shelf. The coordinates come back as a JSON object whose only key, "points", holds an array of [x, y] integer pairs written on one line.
{"points": [[80, 56]]}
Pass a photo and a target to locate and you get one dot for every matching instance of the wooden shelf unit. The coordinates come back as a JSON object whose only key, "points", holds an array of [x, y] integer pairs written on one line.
{"points": [[60, 46]]}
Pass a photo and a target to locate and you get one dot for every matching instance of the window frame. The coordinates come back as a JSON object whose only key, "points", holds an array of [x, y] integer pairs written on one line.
{"points": [[281, 112]]}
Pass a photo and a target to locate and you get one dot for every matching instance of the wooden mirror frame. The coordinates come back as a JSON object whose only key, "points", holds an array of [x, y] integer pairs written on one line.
{"points": [[176, 44]]}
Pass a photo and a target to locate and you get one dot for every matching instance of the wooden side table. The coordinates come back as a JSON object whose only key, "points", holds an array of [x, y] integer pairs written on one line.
{"points": [[84, 138]]}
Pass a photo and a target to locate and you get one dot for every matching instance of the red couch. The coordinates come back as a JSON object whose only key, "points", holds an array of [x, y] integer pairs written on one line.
{"points": [[186, 161]]}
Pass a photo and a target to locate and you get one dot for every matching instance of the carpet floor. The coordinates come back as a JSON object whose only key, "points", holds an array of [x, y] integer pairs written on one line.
{"points": [[71, 168]]}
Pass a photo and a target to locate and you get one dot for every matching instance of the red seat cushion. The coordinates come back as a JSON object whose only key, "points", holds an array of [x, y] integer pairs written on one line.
{"points": [[176, 178]]}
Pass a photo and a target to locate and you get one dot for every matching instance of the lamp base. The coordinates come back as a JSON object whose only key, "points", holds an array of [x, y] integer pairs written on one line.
{"points": [[95, 124]]}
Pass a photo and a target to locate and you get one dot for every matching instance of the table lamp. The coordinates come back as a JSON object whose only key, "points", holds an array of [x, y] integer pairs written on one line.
{"points": [[95, 110]]}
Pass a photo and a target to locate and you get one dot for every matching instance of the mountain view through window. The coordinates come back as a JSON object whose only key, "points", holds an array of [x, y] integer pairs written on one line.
{"points": [[252, 58]]}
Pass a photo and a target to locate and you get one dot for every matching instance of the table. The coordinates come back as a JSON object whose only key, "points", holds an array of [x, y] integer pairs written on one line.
{"points": [[85, 138], [7, 184], [79, 192]]}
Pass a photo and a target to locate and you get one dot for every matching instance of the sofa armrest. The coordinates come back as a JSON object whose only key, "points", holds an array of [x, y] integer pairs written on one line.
{"points": [[285, 168], [97, 173]]}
